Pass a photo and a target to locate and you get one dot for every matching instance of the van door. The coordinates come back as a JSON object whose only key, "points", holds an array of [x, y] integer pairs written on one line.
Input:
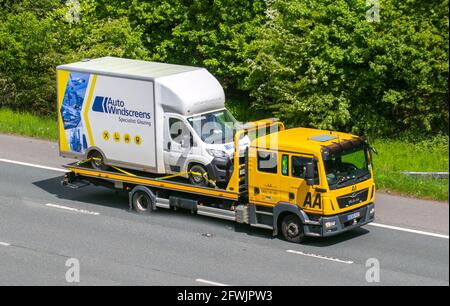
{"points": [[177, 146]]}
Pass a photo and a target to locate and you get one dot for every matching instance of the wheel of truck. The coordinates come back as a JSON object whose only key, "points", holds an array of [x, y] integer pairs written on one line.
{"points": [[197, 175], [96, 159], [142, 202], [292, 229]]}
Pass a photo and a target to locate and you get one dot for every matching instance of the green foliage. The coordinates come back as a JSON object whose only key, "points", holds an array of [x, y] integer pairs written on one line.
{"points": [[34, 40], [311, 63], [28, 124], [396, 156], [321, 63]]}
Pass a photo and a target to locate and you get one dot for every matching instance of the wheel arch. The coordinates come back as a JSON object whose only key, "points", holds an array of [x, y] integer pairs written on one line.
{"points": [[94, 148], [281, 210], [147, 190]]}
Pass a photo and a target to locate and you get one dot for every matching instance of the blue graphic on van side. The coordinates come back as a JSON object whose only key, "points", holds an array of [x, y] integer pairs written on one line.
{"points": [[71, 108]]}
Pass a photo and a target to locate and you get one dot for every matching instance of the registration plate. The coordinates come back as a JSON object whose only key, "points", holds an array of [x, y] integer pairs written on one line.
{"points": [[353, 216]]}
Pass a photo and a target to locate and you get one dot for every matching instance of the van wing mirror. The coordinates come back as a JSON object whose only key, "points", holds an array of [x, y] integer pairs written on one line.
{"points": [[310, 174]]}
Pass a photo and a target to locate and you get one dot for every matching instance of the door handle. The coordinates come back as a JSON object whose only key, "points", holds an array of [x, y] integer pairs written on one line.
{"points": [[256, 190], [169, 146]]}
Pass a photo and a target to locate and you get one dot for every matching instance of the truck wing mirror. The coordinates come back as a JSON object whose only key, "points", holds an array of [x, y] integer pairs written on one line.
{"points": [[310, 174]]}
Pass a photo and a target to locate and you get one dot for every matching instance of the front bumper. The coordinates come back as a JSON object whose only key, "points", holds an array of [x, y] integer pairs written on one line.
{"points": [[220, 169], [341, 223]]}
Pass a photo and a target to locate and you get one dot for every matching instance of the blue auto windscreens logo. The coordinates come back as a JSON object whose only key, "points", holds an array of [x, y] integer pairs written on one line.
{"points": [[117, 107]]}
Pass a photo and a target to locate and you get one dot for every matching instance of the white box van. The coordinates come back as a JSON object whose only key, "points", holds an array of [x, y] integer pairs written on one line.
{"points": [[147, 116]]}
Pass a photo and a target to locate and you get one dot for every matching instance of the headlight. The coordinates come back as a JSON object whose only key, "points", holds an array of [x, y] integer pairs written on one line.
{"points": [[372, 211], [330, 224], [216, 153]]}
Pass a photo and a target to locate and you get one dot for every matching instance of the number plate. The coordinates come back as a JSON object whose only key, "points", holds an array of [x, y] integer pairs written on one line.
{"points": [[353, 216]]}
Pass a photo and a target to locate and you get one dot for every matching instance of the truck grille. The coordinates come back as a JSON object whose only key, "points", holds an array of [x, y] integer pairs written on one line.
{"points": [[353, 198]]}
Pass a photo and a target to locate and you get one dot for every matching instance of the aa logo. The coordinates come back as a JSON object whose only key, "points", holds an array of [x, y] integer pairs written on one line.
{"points": [[317, 201]]}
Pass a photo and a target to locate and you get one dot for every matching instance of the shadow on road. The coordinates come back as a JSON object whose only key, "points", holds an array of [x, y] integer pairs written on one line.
{"points": [[102, 196], [96, 195]]}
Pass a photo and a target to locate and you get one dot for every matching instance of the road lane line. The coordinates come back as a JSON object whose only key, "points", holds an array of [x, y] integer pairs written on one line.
{"points": [[31, 165], [348, 262], [4, 244], [210, 282], [82, 211], [408, 230]]}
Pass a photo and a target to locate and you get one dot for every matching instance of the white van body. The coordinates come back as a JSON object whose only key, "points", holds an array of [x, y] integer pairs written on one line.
{"points": [[144, 116]]}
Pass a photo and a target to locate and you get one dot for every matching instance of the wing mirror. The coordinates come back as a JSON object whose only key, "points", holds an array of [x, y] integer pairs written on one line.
{"points": [[310, 176]]}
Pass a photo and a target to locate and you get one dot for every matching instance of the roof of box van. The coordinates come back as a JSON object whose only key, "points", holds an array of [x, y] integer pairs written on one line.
{"points": [[127, 68], [184, 90]]}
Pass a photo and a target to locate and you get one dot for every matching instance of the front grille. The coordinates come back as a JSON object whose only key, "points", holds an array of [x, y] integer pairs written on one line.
{"points": [[353, 198]]}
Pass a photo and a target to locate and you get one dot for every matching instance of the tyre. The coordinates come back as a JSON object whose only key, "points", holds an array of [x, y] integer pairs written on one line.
{"points": [[197, 176], [292, 229], [97, 161], [142, 202]]}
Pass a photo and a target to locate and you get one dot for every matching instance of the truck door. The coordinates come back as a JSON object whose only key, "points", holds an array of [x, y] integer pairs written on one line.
{"points": [[293, 184], [177, 144], [265, 183]]}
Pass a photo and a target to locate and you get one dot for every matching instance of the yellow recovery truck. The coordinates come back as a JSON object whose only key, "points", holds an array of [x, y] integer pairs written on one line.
{"points": [[298, 182]]}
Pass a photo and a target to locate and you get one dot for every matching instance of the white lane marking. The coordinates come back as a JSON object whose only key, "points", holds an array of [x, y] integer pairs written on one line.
{"points": [[4, 244], [348, 262], [82, 211], [210, 282], [408, 230], [31, 165]]}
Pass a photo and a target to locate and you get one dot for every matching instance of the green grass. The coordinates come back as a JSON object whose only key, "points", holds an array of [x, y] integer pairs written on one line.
{"points": [[395, 156], [27, 124]]}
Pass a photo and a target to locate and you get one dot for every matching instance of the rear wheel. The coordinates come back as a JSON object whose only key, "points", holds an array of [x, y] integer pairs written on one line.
{"points": [[97, 162], [198, 175], [142, 202], [292, 229]]}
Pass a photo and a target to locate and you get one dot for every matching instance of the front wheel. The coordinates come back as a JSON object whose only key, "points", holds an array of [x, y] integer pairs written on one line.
{"points": [[292, 229], [198, 176]]}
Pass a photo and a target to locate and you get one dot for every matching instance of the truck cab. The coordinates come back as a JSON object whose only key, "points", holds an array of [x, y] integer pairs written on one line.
{"points": [[311, 182]]}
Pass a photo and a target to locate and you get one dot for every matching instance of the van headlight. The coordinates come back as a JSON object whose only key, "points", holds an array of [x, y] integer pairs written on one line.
{"points": [[216, 153]]}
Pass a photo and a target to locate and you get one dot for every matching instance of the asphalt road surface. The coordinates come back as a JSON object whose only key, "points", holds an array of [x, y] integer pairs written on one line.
{"points": [[43, 224]]}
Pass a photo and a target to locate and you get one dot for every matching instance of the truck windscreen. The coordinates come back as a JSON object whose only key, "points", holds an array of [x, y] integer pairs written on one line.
{"points": [[215, 127], [348, 168]]}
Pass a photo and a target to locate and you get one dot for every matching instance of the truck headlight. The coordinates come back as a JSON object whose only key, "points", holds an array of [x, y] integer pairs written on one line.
{"points": [[372, 211], [216, 153], [330, 224]]}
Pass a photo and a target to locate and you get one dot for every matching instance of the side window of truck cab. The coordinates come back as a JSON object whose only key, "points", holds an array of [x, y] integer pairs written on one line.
{"points": [[267, 162]]}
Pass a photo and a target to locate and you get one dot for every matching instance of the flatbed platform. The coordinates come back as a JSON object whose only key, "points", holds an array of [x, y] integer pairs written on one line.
{"points": [[84, 170]]}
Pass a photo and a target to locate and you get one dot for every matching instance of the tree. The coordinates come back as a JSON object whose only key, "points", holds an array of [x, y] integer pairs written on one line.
{"points": [[322, 64]]}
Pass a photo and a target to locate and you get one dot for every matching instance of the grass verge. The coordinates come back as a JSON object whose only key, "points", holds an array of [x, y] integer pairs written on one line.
{"points": [[394, 156], [27, 124]]}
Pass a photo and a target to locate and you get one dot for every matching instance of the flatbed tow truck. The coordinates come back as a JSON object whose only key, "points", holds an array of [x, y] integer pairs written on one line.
{"points": [[298, 182]]}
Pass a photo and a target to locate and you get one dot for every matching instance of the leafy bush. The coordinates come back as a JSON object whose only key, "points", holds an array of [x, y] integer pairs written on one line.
{"points": [[321, 63]]}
